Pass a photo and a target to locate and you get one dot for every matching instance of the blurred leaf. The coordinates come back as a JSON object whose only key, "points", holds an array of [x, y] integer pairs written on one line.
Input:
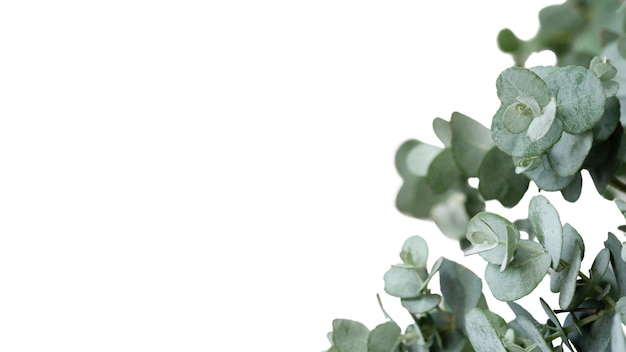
{"points": [[414, 252], [461, 290], [450, 215], [522, 275], [443, 131], [350, 336], [384, 338], [507, 41], [579, 96], [483, 328], [470, 143], [568, 154], [547, 226], [499, 180], [443, 173], [414, 157]]}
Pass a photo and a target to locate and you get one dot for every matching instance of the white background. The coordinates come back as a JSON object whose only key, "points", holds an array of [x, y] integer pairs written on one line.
{"points": [[206, 176]]}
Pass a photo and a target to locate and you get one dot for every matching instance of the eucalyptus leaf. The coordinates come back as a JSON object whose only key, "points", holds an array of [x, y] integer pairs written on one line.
{"points": [[529, 329], [564, 279], [618, 342], [620, 309], [499, 179], [403, 282], [470, 142], [572, 192], [520, 144], [547, 226], [522, 275], [555, 321], [546, 178], [605, 127], [443, 172], [568, 154], [542, 124], [517, 81], [461, 290], [600, 265], [415, 157], [443, 131], [450, 215], [350, 336], [579, 97], [488, 227], [483, 329], [619, 266], [414, 251], [384, 338], [421, 304]]}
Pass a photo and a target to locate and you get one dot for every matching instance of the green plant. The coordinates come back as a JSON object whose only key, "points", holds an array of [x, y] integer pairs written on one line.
{"points": [[553, 123]]}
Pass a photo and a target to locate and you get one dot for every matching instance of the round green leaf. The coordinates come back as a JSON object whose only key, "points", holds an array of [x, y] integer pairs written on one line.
{"points": [[579, 96], [414, 252], [482, 330], [488, 225], [443, 173], [418, 157], [350, 335], [572, 192], [470, 142], [520, 144], [507, 41], [384, 338], [421, 304], [522, 275], [451, 216], [603, 129], [517, 81], [568, 154], [547, 226], [517, 118], [403, 282], [499, 179], [546, 178]]}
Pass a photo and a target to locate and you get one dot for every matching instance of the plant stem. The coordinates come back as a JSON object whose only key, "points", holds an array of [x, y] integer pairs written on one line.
{"points": [[587, 320], [598, 289]]}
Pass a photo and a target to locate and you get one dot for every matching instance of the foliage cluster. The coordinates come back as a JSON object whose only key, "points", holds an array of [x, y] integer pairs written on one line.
{"points": [[553, 122]]}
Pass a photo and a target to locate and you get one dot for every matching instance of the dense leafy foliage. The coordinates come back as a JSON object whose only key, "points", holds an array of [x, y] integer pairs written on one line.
{"points": [[553, 123]]}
